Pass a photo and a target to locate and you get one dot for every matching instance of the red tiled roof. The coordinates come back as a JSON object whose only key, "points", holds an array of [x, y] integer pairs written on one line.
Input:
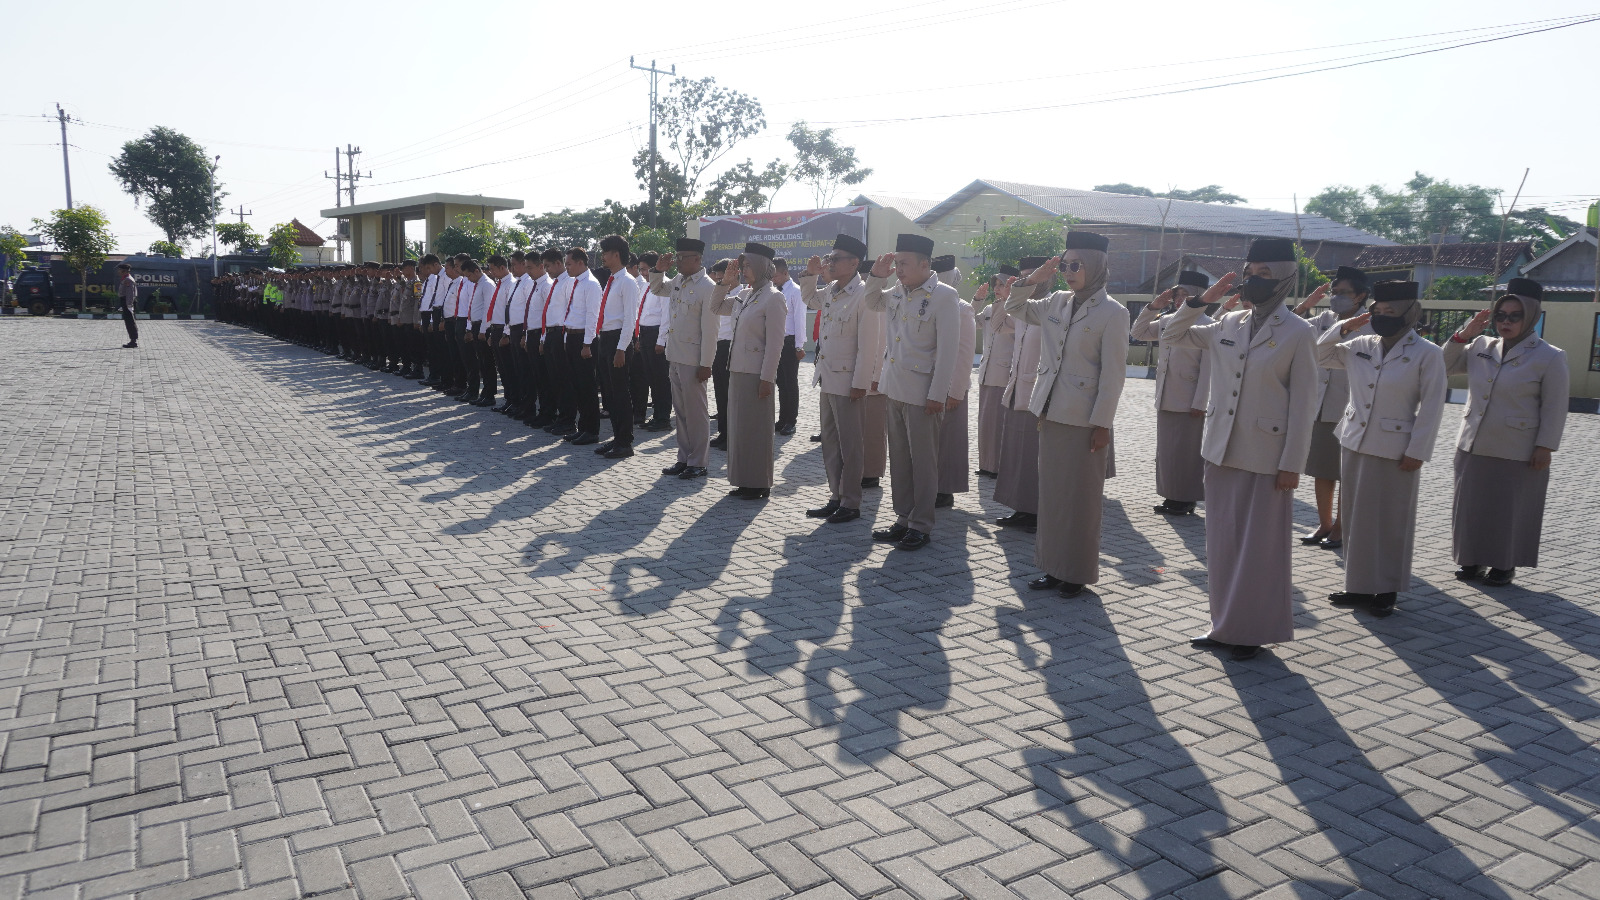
{"points": [[305, 237]]}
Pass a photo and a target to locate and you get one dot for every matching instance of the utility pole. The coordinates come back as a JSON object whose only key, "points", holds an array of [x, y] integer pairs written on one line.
{"points": [[66, 165], [211, 177], [1494, 276], [240, 212], [655, 158], [351, 175]]}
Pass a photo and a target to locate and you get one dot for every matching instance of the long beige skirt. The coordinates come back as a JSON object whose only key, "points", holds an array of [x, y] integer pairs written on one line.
{"points": [[1017, 480], [1322, 460], [1072, 486], [874, 435], [1180, 470], [991, 422], [1378, 506], [749, 432], [1248, 561], [1498, 511], [954, 451]]}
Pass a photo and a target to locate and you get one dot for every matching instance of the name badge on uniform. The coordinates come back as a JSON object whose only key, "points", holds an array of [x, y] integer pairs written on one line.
{"points": [[1226, 342], [1055, 320], [1366, 356], [1487, 355]]}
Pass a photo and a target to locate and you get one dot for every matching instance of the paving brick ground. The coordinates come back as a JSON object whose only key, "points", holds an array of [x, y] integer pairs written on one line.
{"points": [[277, 627]]}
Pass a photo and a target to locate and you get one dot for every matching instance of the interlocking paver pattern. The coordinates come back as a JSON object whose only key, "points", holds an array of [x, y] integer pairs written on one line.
{"points": [[272, 625]]}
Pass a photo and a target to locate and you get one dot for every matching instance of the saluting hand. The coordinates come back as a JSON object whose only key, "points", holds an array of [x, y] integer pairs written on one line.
{"points": [[1162, 300], [814, 266], [1215, 292], [1045, 273], [1353, 323], [1311, 301], [664, 264], [1229, 304], [982, 294], [884, 267], [1477, 324]]}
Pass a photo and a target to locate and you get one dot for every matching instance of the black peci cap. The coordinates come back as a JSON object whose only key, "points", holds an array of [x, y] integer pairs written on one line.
{"points": [[850, 245], [1032, 262], [690, 245], [1194, 280], [1525, 287], [1087, 240], [1395, 290], [1270, 250], [942, 264], [755, 249], [1012, 271], [1351, 274], [914, 243]]}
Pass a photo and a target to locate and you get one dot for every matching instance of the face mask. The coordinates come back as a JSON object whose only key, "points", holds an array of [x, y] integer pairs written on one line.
{"points": [[1343, 304], [1257, 290], [1387, 326]]}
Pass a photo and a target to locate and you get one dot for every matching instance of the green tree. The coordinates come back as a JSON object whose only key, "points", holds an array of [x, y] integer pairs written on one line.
{"points": [[84, 239], [823, 163], [742, 189], [1309, 276], [703, 122], [172, 177], [239, 236], [167, 248], [576, 228], [1459, 287], [1426, 206], [13, 245], [1211, 193], [479, 238], [1009, 243], [281, 248]]}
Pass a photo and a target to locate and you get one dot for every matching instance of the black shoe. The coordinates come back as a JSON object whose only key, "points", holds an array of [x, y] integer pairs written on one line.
{"points": [[786, 429], [675, 469], [618, 451], [1383, 605], [844, 514], [1044, 583], [1243, 652], [944, 501], [1176, 508], [1350, 600], [824, 511], [1208, 643], [584, 440], [890, 535], [1470, 573], [658, 425], [500, 409], [558, 428], [1069, 590], [745, 493], [693, 472], [485, 401], [1025, 521], [985, 473], [467, 397], [1499, 577], [131, 345], [1315, 537], [869, 482], [914, 540], [720, 442], [605, 446], [816, 439], [639, 421], [1331, 543]]}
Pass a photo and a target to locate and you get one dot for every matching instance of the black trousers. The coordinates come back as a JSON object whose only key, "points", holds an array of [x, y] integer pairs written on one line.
{"points": [[469, 355], [506, 361], [455, 368], [129, 323], [531, 365], [648, 371], [788, 384], [488, 335], [621, 404], [581, 372], [719, 383], [562, 403]]}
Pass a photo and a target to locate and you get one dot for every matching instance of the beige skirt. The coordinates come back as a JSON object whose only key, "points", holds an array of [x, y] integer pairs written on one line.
{"points": [[1017, 480], [1180, 470], [1322, 461], [954, 450], [991, 422], [1248, 561], [1378, 506], [749, 432], [1072, 485], [1498, 511], [874, 435]]}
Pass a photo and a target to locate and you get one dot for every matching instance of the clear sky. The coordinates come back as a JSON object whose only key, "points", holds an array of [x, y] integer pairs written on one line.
{"points": [[427, 88]]}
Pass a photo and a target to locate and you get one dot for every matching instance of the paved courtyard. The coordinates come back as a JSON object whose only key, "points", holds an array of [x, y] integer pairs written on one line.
{"points": [[273, 626]]}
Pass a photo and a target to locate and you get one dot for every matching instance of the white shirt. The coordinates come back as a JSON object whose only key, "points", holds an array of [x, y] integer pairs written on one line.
{"points": [[499, 298], [457, 297], [654, 311], [430, 292], [516, 306], [794, 323], [533, 309], [619, 306], [580, 305], [725, 323], [475, 297]]}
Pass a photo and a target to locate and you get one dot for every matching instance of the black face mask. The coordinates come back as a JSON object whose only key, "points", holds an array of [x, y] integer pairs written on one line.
{"points": [[1257, 290], [1387, 326]]}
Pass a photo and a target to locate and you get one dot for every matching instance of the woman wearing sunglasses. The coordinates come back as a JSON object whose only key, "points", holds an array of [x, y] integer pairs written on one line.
{"points": [[1264, 385], [1083, 349], [1516, 410], [1386, 432]]}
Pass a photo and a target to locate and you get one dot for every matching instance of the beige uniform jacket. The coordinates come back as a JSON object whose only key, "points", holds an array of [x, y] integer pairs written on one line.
{"points": [[1024, 367], [850, 338], [1514, 403], [999, 345], [1396, 399], [1082, 362], [1263, 389], [690, 334], [1183, 380], [758, 316], [922, 336], [961, 377], [1334, 395]]}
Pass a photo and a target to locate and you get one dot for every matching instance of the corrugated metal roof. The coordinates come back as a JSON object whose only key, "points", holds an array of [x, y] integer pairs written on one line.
{"points": [[1098, 207], [1558, 287], [1466, 256], [909, 207]]}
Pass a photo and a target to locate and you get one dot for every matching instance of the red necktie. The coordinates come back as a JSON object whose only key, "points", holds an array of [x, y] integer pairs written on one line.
{"points": [[489, 317], [455, 308], [638, 319], [544, 313], [601, 319]]}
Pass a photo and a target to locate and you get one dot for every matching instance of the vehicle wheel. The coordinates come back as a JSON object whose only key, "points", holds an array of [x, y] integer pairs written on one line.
{"points": [[39, 308]]}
